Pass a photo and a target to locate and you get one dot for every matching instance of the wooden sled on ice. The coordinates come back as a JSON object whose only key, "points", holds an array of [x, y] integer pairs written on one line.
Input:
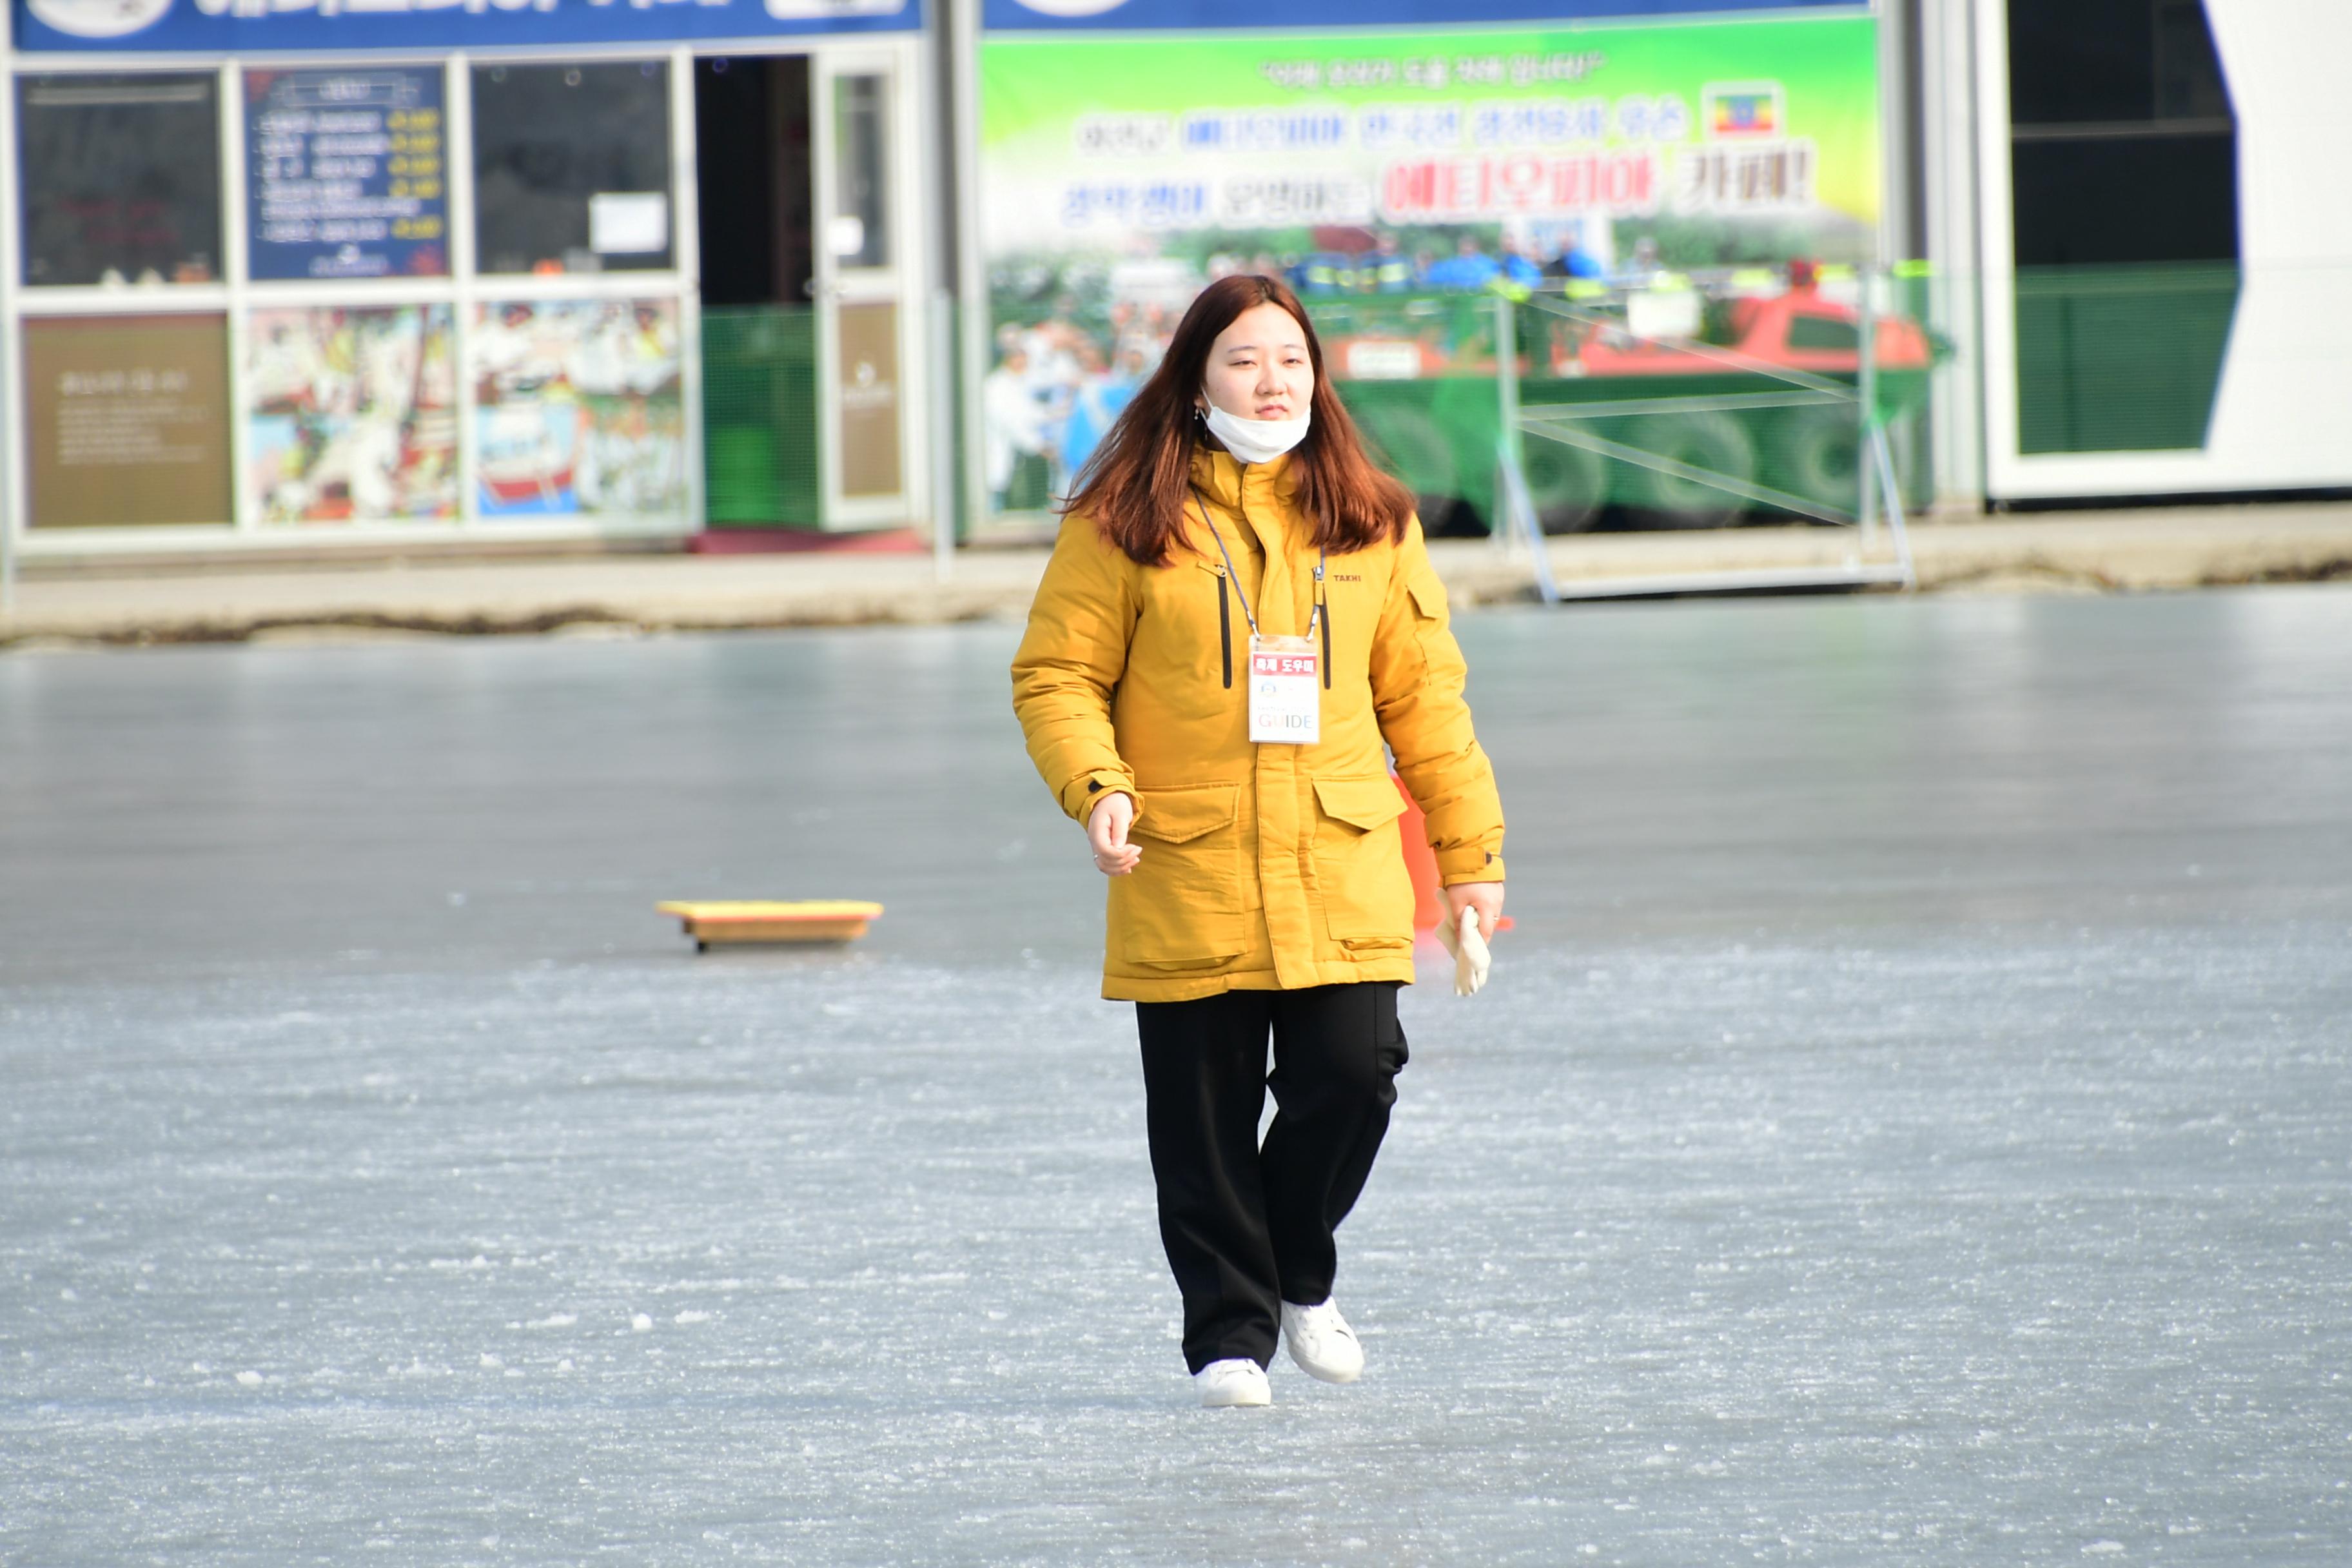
{"points": [[716, 921]]}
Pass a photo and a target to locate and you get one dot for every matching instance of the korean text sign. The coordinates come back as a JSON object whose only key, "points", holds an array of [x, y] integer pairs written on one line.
{"points": [[1121, 144]]}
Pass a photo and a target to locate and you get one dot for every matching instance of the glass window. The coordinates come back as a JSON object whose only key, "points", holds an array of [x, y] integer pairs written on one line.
{"points": [[351, 414], [860, 234], [121, 178], [571, 167], [579, 408]]}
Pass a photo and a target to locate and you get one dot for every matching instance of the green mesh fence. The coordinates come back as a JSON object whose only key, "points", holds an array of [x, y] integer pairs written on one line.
{"points": [[2116, 358], [759, 416]]}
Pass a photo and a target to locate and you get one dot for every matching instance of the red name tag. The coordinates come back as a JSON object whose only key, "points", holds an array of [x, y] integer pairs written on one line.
{"points": [[1286, 695]]}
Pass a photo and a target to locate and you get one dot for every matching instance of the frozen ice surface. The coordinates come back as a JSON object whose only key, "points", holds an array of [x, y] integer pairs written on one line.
{"points": [[1910, 1125]]}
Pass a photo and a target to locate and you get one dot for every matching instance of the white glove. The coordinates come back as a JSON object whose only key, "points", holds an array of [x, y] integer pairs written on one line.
{"points": [[1470, 959]]}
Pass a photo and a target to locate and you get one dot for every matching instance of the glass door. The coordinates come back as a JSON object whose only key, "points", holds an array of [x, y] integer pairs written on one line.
{"points": [[864, 257]]}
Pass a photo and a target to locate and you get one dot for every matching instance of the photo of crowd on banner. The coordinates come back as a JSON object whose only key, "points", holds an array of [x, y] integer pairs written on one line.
{"points": [[1074, 341]]}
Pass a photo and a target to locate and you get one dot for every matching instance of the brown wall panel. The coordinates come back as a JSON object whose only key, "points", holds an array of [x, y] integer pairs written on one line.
{"points": [[129, 420], [869, 401]]}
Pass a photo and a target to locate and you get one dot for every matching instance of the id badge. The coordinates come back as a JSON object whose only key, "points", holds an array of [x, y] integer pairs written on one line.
{"points": [[1285, 692]]}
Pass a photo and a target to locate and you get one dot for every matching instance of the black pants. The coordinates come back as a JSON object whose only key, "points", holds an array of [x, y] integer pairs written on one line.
{"points": [[1249, 1227]]}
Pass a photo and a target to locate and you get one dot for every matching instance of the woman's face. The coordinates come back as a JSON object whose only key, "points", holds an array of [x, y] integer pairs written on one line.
{"points": [[1259, 367]]}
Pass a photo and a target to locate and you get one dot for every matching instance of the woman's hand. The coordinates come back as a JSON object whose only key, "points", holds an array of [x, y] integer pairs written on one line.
{"points": [[1486, 898], [1106, 827]]}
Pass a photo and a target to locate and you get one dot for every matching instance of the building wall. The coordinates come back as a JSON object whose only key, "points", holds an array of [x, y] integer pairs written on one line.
{"points": [[2270, 320], [429, 361]]}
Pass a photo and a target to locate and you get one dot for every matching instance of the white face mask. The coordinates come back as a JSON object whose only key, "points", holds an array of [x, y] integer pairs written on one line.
{"points": [[1256, 440]]}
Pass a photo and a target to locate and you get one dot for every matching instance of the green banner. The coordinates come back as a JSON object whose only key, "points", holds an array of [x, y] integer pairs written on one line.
{"points": [[1723, 141], [1120, 174]]}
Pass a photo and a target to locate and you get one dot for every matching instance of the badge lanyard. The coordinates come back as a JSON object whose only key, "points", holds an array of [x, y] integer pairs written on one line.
{"points": [[1286, 698]]}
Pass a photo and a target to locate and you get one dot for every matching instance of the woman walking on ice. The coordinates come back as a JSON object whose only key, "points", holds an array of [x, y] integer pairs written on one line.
{"points": [[1239, 613]]}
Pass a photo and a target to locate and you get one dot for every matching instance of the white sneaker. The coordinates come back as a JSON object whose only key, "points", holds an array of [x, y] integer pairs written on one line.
{"points": [[1227, 1384], [1321, 1343]]}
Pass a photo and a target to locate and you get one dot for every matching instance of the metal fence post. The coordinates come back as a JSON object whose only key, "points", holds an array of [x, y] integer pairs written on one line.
{"points": [[1502, 525], [1867, 431], [1514, 508], [973, 312]]}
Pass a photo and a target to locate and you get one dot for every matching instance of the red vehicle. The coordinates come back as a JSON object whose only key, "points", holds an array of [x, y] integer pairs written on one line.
{"points": [[1762, 391]]}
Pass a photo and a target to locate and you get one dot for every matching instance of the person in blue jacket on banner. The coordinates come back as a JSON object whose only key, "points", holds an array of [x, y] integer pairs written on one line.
{"points": [[1468, 268], [1101, 395], [1573, 261], [1385, 268], [1325, 272], [1518, 267]]}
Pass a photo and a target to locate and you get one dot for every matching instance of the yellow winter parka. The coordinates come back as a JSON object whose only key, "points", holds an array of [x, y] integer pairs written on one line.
{"points": [[1264, 867]]}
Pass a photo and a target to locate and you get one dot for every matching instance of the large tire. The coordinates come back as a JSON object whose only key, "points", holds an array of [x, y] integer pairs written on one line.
{"points": [[1816, 453], [1567, 484], [1411, 446], [1714, 442]]}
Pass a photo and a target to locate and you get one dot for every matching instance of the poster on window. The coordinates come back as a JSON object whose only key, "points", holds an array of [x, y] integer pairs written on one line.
{"points": [[578, 409], [345, 173], [353, 414], [1121, 172]]}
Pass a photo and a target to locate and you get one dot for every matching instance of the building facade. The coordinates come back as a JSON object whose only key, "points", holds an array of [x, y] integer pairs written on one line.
{"points": [[380, 271], [2137, 207], [372, 273]]}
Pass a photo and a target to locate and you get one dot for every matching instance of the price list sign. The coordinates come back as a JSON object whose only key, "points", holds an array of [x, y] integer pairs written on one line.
{"points": [[347, 174]]}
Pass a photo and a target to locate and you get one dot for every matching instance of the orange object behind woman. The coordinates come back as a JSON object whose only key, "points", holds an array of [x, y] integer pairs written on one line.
{"points": [[1420, 862]]}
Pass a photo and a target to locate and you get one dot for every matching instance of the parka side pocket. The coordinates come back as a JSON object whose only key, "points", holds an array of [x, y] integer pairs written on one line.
{"points": [[1428, 596], [1360, 862], [1182, 902]]}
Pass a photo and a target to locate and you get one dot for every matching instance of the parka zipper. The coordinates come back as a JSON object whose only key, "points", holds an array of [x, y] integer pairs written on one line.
{"points": [[1225, 626], [1323, 618], [1320, 619]]}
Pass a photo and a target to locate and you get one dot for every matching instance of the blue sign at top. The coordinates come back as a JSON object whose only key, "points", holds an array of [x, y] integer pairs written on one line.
{"points": [[1303, 15], [250, 27]]}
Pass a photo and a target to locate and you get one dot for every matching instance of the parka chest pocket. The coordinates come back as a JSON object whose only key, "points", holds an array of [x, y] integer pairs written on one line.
{"points": [[1360, 862], [1187, 632], [1182, 902]]}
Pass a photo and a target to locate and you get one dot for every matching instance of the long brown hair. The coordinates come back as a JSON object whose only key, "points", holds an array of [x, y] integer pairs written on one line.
{"points": [[1136, 484]]}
